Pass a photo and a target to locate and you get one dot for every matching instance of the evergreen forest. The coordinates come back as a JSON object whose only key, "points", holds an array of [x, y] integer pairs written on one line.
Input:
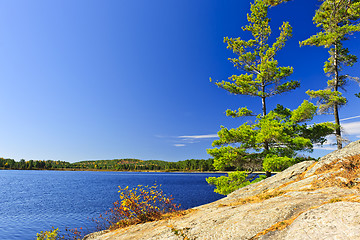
{"points": [[111, 165]]}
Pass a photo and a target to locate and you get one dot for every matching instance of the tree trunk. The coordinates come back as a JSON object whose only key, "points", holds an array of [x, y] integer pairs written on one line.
{"points": [[336, 107], [266, 144], [263, 98], [337, 129], [263, 105]]}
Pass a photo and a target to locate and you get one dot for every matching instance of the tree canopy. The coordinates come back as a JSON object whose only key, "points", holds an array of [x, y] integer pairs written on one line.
{"points": [[285, 132]]}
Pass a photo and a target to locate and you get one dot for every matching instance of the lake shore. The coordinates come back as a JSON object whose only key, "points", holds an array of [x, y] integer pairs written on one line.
{"points": [[309, 200]]}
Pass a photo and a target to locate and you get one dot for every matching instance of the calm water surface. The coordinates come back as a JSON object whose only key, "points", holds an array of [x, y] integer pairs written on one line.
{"points": [[33, 201]]}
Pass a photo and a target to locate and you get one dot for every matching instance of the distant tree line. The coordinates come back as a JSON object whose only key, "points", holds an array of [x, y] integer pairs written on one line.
{"points": [[114, 165], [32, 164], [142, 165]]}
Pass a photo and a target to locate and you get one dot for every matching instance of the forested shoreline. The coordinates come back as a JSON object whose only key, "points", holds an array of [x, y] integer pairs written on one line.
{"points": [[127, 164]]}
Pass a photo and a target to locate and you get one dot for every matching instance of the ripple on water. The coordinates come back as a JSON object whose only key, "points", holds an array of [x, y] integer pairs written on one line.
{"points": [[33, 201]]}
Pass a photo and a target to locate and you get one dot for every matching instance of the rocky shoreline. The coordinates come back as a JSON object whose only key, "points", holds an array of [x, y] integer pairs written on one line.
{"points": [[310, 200]]}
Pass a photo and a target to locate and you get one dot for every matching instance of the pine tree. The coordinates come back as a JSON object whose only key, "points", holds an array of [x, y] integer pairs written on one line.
{"points": [[256, 57], [338, 20], [275, 135], [263, 77]]}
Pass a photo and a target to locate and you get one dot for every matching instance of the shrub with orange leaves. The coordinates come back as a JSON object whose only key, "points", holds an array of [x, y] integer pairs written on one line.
{"points": [[137, 205]]}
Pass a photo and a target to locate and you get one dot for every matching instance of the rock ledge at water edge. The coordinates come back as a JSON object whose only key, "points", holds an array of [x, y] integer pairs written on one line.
{"points": [[310, 200]]}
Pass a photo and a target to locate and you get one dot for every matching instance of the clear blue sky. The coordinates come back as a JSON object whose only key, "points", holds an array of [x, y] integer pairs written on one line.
{"points": [[112, 79]]}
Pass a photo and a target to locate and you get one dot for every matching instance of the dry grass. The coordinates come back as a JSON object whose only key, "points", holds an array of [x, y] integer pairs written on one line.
{"points": [[302, 175], [338, 171], [267, 194], [342, 173], [277, 226], [285, 223], [181, 233], [166, 216], [177, 214], [348, 198], [298, 178]]}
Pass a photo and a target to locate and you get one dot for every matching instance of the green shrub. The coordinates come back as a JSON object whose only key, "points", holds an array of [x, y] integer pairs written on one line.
{"points": [[234, 180], [273, 163]]}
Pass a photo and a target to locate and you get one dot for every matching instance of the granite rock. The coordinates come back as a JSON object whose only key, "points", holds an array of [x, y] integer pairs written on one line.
{"points": [[288, 205]]}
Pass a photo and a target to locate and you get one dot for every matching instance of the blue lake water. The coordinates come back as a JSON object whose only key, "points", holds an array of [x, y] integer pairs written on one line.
{"points": [[34, 201]]}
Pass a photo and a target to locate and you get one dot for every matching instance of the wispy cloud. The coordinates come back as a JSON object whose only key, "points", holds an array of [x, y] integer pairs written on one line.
{"points": [[328, 145], [185, 140], [179, 145], [325, 147], [352, 128], [349, 131], [198, 136], [160, 136], [344, 119], [190, 139]]}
